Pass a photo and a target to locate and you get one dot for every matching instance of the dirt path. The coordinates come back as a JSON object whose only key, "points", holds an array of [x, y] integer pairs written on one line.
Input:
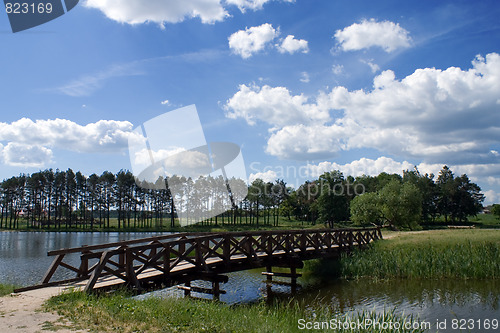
{"points": [[22, 313], [403, 233]]}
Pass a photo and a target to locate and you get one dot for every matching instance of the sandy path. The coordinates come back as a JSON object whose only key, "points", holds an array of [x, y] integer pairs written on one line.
{"points": [[22, 313]]}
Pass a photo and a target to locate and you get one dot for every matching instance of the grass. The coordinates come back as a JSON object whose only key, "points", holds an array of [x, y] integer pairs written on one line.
{"points": [[6, 289], [438, 254], [223, 224], [119, 312]]}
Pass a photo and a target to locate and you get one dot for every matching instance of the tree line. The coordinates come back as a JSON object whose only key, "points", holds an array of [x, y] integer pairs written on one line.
{"points": [[55, 199]]}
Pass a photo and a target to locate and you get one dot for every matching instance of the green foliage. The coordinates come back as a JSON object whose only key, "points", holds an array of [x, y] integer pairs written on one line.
{"points": [[333, 202], [458, 197], [401, 204], [495, 210], [397, 204], [366, 209]]}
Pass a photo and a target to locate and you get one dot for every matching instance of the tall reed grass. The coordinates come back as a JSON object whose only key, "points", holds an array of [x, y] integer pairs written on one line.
{"points": [[464, 254]]}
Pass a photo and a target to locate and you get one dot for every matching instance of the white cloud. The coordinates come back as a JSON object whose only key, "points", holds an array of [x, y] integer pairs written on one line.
{"points": [[337, 69], [23, 155], [491, 197], [252, 40], [275, 106], [388, 35], [267, 176], [432, 114], [159, 11], [292, 45], [304, 77], [374, 67], [243, 5], [299, 141], [102, 136], [363, 166]]}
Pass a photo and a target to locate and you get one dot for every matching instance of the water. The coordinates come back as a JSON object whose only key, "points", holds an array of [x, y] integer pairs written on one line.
{"points": [[24, 260], [23, 255]]}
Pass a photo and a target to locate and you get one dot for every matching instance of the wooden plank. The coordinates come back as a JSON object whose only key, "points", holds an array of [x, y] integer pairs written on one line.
{"points": [[52, 269]]}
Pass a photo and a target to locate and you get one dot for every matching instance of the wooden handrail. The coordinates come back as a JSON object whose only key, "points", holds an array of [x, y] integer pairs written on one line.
{"points": [[204, 251]]}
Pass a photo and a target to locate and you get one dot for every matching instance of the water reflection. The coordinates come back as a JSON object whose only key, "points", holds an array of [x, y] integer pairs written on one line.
{"points": [[24, 260], [23, 255]]}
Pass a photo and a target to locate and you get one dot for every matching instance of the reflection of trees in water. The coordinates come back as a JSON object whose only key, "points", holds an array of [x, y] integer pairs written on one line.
{"points": [[345, 295]]}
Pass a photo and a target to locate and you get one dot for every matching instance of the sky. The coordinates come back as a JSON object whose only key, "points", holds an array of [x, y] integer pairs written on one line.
{"points": [[302, 86]]}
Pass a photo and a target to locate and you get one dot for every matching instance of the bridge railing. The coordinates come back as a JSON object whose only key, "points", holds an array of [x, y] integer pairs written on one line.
{"points": [[131, 262]]}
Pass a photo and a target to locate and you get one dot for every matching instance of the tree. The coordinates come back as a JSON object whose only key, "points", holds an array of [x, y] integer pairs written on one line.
{"points": [[366, 208], [333, 203], [495, 210], [445, 192], [467, 199], [428, 189], [401, 204]]}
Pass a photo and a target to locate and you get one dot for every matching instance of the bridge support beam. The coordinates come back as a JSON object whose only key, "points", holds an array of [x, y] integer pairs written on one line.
{"points": [[293, 275], [215, 291]]}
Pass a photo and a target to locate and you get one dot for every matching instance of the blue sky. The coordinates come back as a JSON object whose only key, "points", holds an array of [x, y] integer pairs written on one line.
{"points": [[303, 86]]}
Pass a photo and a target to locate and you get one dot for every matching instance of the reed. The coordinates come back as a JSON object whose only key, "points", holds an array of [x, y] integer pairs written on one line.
{"points": [[464, 254]]}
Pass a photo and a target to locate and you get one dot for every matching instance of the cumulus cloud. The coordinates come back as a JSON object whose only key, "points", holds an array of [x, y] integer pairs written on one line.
{"points": [[252, 40], [30, 143], [267, 176], [363, 166], [299, 141], [432, 114], [292, 45], [275, 106], [159, 11], [387, 35], [23, 155], [243, 5]]}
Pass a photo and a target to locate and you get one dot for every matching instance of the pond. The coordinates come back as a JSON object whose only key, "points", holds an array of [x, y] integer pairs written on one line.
{"points": [[24, 260]]}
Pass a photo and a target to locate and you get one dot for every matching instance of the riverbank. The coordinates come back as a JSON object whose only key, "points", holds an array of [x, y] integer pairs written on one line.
{"points": [[119, 312], [21, 313], [125, 314]]}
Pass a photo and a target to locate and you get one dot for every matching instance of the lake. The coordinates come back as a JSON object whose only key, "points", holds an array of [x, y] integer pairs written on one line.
{"points": [[24, 260]]}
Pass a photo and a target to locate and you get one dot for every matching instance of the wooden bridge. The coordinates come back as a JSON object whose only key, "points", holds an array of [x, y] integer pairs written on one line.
{"points": [[159, 262]]}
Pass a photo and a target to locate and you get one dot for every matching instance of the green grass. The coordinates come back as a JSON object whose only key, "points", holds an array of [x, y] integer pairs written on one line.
{"points": [[121, 313], [439, 254], [223, 224], [6, 289]]}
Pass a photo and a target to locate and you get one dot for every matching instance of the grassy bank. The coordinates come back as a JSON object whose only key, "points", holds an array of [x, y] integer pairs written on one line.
{"points": [[121, 313], [223, 224], [6, 289], [439, 254]]}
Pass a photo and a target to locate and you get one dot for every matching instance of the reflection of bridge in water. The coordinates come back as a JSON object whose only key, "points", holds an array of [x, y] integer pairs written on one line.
{"points": [[164, 261]]}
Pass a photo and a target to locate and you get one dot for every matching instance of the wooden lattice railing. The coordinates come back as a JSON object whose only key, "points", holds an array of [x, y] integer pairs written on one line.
{"points": [[168, 258]]}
